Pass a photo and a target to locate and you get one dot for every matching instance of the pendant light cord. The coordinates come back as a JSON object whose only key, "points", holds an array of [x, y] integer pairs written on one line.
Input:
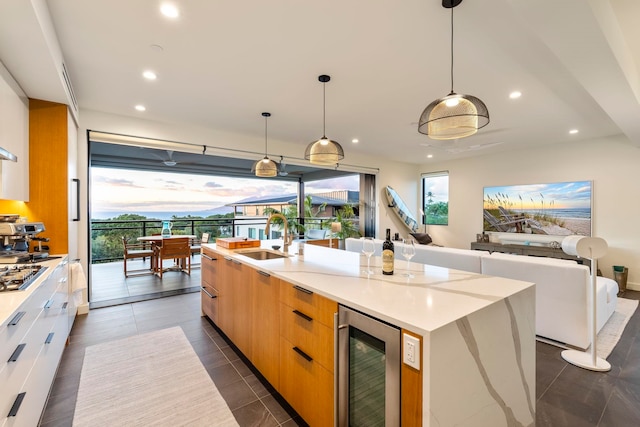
{"points": [[265, 136], [452, 50], [324, 109]]}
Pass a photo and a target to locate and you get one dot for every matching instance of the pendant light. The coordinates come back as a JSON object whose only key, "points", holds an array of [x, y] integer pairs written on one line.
{"points": [[455, 115], [265, 167], [324, 151]]}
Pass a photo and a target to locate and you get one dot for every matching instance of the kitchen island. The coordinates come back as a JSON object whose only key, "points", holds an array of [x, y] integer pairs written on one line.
{"points": [[476, 333]]}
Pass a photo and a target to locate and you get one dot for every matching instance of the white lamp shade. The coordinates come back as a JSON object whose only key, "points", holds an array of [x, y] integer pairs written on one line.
{"points": [[585, 247]]}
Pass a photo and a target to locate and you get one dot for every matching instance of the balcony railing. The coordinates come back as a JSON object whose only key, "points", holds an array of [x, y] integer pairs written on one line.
{"points": [[106, 235]]}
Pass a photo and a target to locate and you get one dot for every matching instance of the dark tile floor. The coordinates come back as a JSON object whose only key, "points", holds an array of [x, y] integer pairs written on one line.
{"points": [[252, 402], [567, 396]]}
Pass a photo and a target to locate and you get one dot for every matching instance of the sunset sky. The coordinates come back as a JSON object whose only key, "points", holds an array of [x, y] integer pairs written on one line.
{"points": [[561, 195], [116, 191]]}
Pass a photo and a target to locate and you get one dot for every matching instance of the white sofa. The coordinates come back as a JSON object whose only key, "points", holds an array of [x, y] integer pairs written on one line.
{"points": [[562, 286], [459, 259]]}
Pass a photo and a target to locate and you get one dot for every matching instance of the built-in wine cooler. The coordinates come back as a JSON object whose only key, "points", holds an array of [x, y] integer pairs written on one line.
{"points": [[368, 371]]}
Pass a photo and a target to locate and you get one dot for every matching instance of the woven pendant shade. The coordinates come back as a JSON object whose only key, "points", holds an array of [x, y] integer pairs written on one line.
{"points": [[324, 151], [454, 116], [265, 167]]}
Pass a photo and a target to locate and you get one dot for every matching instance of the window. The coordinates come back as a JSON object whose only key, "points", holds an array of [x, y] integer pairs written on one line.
{"points": [[252, 233], [435, 198]]}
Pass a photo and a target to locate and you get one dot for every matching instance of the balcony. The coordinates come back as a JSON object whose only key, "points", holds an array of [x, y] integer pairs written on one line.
{"points": [[108, 285]]}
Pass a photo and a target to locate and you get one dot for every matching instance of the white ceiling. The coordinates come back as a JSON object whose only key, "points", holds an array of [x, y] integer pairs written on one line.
{"points": [[222, 63]]}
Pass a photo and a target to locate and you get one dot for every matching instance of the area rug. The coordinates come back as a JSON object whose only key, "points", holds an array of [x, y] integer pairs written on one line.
{"points": [[611, 332], [152, 379]]}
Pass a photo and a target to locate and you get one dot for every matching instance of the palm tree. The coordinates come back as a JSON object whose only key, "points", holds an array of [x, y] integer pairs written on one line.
{"points": [[291, 213]]}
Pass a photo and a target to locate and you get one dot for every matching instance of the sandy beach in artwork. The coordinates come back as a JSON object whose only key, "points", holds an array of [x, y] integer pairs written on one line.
{"points": [[570, 226]]}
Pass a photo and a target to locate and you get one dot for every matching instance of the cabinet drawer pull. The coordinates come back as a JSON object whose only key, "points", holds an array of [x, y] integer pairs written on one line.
{"points": [[235, 261], [207, 292], [16, 318], [301, 289], [64, 306], [205, 256], [264, 273], [16, 353], [303, 354], [304, 316], [227, 258], [16, 405], [48, 303], [49, 338]]}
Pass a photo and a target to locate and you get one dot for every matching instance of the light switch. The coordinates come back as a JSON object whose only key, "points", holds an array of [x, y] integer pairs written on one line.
{"points": [[411, 351]]}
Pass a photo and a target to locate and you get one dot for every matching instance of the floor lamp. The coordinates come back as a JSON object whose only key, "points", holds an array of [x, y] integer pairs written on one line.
{"points": [[590, 248]]}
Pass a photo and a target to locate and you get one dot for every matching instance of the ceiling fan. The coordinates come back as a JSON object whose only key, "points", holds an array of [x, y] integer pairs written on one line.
{"points": [[168, 160]]}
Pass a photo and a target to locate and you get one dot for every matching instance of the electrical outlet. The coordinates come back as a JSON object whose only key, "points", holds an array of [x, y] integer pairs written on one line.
{"points": [[411, 351]]}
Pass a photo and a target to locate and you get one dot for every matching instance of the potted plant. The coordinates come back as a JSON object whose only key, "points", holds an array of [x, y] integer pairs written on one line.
{"points": [[345, 216], [291, 213]]}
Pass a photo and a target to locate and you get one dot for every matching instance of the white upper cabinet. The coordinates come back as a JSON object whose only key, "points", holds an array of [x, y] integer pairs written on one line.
{"points": [[14, 137]]}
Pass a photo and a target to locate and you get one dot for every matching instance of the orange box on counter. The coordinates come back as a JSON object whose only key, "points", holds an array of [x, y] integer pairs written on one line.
{"points": [[237, 242]]}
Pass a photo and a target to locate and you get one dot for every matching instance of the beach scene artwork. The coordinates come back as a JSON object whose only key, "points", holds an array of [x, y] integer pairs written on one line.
{"points": [[556, 209]]}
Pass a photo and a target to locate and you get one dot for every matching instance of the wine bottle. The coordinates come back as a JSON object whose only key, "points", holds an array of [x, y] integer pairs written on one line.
{"points": [[387, 255]]}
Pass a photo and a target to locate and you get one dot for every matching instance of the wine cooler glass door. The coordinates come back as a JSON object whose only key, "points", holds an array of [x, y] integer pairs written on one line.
{"points": [[369, 371]]}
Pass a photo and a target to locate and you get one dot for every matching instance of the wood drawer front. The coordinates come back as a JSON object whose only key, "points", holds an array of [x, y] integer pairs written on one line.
{"points": [[306, 386], [209, 268], [209, 298], [320, 308], [312, 337]]}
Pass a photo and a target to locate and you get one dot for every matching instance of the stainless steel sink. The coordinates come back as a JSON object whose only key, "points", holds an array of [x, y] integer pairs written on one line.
{"points": [[262, 254]]}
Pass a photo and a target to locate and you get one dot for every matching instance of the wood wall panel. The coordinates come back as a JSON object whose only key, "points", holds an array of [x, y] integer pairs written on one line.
{"points": [[48, 175], [411, 393]]}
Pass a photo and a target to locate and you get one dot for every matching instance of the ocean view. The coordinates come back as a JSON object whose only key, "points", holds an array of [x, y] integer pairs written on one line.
{"points": [[577, 213]]}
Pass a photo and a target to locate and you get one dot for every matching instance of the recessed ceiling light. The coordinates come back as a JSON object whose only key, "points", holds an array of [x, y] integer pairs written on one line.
{"points": [[169, 10], [149, 75], [429, 156], [141, 108], [515, 94], [573, 131], [355, 140]]}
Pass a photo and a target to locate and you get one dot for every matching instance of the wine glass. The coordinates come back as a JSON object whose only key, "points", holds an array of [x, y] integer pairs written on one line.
{"points": [[408, 251], [368, 248]]}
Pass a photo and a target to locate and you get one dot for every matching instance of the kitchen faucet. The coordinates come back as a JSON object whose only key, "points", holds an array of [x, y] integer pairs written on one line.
{"points": [[285, 236]]}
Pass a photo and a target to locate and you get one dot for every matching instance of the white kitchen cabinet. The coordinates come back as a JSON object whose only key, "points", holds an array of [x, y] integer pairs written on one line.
{"points": [[14, 137], [31, 344]]}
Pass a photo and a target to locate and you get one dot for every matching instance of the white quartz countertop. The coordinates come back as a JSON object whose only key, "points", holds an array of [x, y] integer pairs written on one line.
{"points": [[10, 301], [435, 297]]}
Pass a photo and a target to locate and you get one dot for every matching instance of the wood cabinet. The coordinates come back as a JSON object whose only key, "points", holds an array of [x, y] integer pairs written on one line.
{"points": [[234, 302], [265, 325], [286, 331], [31, 345], [307, 353], [209, 270]]}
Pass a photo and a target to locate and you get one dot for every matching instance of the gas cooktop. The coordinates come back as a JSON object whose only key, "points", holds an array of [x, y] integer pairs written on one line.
{"points": [[19, 277]]}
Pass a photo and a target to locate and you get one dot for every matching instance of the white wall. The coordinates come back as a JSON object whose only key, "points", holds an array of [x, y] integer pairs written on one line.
{"points": [[611, 163]]}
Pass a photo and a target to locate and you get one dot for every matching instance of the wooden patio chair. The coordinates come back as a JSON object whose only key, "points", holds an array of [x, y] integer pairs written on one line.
{"points": [[137, 251], [177, 249]]}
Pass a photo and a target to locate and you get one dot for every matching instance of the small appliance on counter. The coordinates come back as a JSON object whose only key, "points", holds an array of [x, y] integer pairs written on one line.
{"points": [[15, 237]]}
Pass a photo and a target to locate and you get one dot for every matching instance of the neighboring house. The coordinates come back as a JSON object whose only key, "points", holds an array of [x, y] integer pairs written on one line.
{"points": [[254, 209]]}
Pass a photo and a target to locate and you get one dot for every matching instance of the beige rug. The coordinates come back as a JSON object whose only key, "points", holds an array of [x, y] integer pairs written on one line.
{"points": [[153, 379], [611, 332]]}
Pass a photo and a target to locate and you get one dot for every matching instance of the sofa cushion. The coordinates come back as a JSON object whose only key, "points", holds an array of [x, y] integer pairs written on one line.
{"points": [[422, 238]]}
